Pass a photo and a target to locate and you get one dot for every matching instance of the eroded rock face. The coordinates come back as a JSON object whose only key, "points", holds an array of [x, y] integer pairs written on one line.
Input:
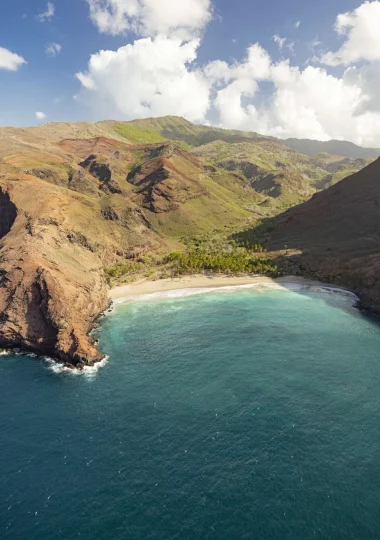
{"points": [[250, 170], [51, 288], [168, 178], [8, 213], [101, 171]]}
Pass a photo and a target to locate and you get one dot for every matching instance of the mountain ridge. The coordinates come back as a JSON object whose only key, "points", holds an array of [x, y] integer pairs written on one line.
{"points": [[179, 129], [82, 202], [348, 149]]}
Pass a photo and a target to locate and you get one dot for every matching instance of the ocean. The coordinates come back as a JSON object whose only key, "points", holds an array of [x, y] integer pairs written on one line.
{"points": [[238, 416]]}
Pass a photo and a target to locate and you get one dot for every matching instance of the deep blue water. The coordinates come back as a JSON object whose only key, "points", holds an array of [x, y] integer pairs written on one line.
{"points": [[227, 417]]}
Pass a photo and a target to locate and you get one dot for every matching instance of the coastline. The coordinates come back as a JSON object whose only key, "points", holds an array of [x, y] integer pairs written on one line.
{"points": [[202, 283], [189, 285]]}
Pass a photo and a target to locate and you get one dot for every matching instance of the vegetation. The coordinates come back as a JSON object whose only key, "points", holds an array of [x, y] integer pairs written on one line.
{"points": [[203, 254], [138, 136], [179, 129], [236, 261], [271, 166], [256, 235], [125, 269]]}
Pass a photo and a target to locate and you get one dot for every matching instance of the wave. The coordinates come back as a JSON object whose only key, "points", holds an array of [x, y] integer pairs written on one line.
{"points": [[87, 371], [257, 287], [17, 352]]}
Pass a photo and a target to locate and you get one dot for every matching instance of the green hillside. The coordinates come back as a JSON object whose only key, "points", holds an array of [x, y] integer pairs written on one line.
{"points": [[179, 129], [269, 165]]}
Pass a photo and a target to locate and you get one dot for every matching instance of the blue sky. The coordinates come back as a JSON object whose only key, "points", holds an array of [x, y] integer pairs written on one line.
{"points": [[48, 83]]}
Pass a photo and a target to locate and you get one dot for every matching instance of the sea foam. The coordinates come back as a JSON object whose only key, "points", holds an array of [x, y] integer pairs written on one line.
{"points": [[257, 287], [87, 371]]}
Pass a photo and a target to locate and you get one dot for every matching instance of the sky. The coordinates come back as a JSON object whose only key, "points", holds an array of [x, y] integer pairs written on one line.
{"points": [[286, 68]]}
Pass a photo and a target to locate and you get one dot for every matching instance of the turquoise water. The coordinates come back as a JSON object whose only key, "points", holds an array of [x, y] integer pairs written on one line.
{"points": [[225, 416]]}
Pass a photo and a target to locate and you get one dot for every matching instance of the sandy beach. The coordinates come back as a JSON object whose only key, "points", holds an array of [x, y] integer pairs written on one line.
{"points": [[197, 284]]}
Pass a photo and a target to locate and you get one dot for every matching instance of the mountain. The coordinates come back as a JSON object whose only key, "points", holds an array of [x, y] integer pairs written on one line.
{"points": [[337, 234], [194, 135], [78, 201], [339, 148], [71, 208], [284, 176], [181, 130]]}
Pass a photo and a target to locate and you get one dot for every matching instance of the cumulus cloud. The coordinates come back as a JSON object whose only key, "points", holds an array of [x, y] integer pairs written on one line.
{"points": [[361, 31], [184, 18], [151, 77], [304, 103], [10, 61], [159, 75], [48, 14], [40, 116], [53, 49]]}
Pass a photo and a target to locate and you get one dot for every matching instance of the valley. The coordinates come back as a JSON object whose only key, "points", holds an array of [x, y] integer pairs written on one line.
{"points": [[88, 206]]}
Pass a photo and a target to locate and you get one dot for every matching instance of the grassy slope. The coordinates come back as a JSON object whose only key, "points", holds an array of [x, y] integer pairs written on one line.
{"points": [[231, 194], [179, 129], [305, 174]]}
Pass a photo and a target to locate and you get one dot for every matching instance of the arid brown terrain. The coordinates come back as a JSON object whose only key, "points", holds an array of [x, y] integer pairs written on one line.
{"points": [[76, 199], [338, 233]]}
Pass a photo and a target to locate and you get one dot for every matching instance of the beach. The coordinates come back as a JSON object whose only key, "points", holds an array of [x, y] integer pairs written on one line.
{"points": [[198, 284]]}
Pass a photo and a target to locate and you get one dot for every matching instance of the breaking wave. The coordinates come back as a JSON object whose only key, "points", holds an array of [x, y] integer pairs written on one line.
{"points": [[87, 371], [257, 287]]}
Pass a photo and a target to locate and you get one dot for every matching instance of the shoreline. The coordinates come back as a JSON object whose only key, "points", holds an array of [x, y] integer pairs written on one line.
{"points": [[179, 287], [202, 283]]}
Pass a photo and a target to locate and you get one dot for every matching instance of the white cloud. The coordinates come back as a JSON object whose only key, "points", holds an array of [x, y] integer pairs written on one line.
{"points": [[280, 41], [53, 49], [184, 18], [308, 103], [10, 61], [155, 77], [48, 14], [40, 116], [361, 30], [256, 66], [147, 78], [297, 24]]}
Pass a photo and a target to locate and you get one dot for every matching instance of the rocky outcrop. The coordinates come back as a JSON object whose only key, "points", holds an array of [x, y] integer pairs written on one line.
{"points": [[8, 213], [54, 248], [250, 170], [52, 288], [167, 178], [99, 170]]}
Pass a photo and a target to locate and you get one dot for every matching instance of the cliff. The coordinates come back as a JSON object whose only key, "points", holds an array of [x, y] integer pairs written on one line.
{"points": [[337, 233]]}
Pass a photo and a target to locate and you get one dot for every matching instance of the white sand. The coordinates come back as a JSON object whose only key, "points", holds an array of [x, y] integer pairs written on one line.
{"points": [[198, 284]]}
